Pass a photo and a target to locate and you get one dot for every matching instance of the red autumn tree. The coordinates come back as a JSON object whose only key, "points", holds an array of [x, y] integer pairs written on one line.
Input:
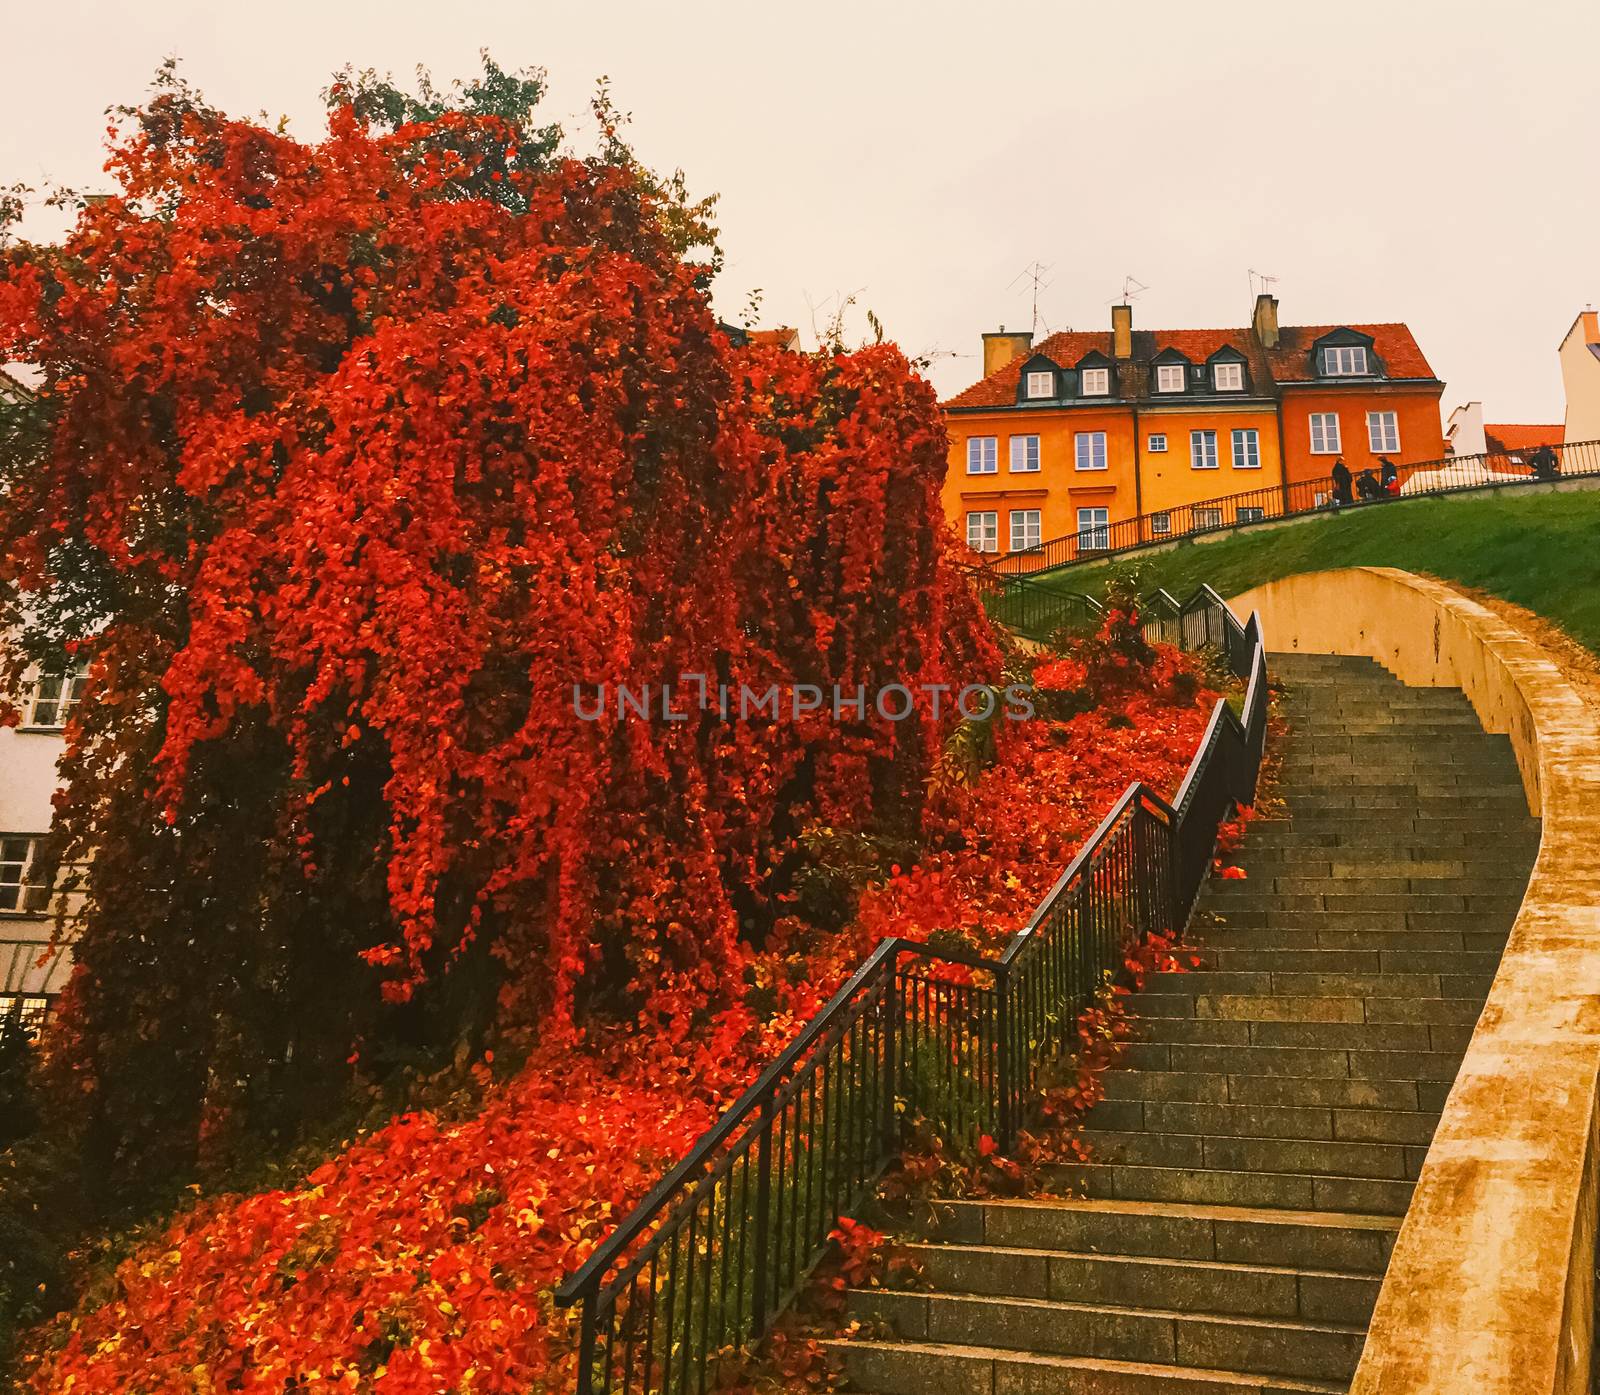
{"points": [[350, 460]]}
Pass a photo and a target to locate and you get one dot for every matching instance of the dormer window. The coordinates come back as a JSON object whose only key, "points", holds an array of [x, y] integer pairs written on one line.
{"points": [[1096, 382], [1041, 384], [1170, 377], [1344, 361], [1228, 377]]}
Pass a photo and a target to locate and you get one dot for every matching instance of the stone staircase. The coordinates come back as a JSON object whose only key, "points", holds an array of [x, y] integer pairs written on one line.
{"points": [[1259, 1143]]}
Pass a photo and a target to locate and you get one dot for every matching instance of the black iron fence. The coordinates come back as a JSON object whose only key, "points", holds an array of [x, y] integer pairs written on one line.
{"points": [[699, 1269], [1496, 469]]}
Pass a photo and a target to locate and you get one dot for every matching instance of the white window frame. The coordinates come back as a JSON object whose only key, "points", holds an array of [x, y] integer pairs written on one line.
{"points": [[1160, 523], [19, 894], [53, 695], [1041, 383], [1228, 377], [988, 533], [1157, 443], [1094, 382], [1319, 423], [1344, 361], [1207, 516], [1203, 449], [1250, 513], [1094, 528], [1095, 442], [985, 459], [1383, 433], [1246, 441], [1024, 451], [1165, 373], [1026, 529]]}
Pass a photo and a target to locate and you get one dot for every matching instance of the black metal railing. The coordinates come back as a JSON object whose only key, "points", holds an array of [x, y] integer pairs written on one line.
{"points": [[1421, 479], [699, 1269]]}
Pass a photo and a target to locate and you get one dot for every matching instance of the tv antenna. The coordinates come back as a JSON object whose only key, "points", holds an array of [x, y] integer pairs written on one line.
{"points": [[1131, 287], [1036, 274], [1267, 283]]}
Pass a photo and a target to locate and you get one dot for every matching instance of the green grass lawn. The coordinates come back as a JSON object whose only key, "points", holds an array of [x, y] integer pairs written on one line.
{"points": [[1540, 551]]}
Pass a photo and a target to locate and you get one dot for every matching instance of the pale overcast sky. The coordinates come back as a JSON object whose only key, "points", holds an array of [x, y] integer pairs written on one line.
{"points": [[1434, 161]]}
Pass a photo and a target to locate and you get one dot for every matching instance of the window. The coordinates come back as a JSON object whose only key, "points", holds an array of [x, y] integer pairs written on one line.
{"points": [[1042, 384], [19, 891], [1169, 377], [1383, 432], [1208, 518], [1093, 528], [1229, 377], [983, 455], [1249, 514], [1091, 450], [55, 695], [1024, 455], [1344, 362], [1160, 524], [983, 531], [1325, 433], [1246, 449], [1096, 382], [1024, 529], [1157, 443], [1203, 450]]}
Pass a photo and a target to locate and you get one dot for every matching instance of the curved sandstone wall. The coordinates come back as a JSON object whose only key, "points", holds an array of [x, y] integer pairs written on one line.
{"points": [[1491, 1285]]}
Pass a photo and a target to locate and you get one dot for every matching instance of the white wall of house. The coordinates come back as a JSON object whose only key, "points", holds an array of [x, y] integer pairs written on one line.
{"points": [[1463, 431], [1580, 375], [28, 779]]}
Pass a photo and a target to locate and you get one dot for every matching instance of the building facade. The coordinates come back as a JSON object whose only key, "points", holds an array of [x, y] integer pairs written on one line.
{"points": [[31, 973], [1580, 376], [1086, 429]]}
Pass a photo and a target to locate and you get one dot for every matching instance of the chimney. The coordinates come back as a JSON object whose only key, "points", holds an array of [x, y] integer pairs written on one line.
{"points": [[1001, 348], [1122, 331], [1265, 320]]}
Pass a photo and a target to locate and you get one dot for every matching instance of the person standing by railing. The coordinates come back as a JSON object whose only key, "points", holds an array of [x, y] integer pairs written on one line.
{"points": [[1341, 484], [1544, 464], [1389, 477], [1368, 488]]}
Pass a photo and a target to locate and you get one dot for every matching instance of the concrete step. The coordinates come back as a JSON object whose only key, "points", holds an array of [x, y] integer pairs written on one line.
{"points": [[1242, 916], [947, 1368], [1304, 1009], [1228, 933], [1201, 1286], [1449, 963], [1248, 1186], [1323, 1351], [1341, 1036], [1305, 1066], [1357, 1244], [1287, 983], [1313, 1157], [1404, 1093], [1304, 1119]]}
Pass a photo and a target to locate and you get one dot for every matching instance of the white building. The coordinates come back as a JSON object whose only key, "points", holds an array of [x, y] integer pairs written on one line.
{"points": [[30, 970]]}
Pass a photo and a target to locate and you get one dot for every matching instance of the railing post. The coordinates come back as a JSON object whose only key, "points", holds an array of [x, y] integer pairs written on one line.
{"points": [[1003, 1053], [758, 1295], [891, 1056], [586, 1326]]}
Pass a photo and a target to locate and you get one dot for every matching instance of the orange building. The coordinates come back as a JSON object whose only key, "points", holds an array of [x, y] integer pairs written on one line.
{"points": [[1087, 429]]}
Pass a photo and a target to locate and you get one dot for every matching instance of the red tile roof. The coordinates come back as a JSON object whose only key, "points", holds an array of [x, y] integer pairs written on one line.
{"points": [[1394, 344], [1288, 363], [1521, 436]]}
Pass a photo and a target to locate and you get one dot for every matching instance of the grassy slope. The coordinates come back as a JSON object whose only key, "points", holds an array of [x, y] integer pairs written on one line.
{"points": [[1540, 551]]}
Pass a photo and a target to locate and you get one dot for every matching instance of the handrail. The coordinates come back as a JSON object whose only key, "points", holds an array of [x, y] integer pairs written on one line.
{"points": [[718, 1246], [1270, 503]]}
